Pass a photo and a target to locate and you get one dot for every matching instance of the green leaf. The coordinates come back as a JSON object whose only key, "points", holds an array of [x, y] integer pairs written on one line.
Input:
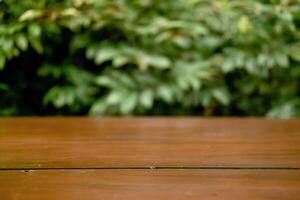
{"points": [[98, 107], [106, 81], [183, 42], [60, 96], [159, 62], [34, 30], [2, 62], [165, 93], [120, 61], [295, 52], [128, 103], [104, 54], [147, 98], [283, 111], [4, 87], [115, 97], [282, 60], [156, 61], [36, 44], [21, 41], [244, 24], [228, 66], [30, 15], [222, 95]]}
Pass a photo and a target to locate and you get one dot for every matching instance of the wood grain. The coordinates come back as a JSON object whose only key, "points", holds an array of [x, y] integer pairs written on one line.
{"points": [[143, 142], [150, 184]]}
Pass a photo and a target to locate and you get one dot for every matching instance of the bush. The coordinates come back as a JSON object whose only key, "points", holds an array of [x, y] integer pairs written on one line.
{"points": [[150, 57]]}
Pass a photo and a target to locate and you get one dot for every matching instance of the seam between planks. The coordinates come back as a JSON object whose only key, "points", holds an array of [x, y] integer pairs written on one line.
{"points": [[150, 168]]}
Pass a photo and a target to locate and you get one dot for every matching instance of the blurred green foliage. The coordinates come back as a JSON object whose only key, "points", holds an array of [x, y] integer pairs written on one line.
{"points": [[150, 57]]}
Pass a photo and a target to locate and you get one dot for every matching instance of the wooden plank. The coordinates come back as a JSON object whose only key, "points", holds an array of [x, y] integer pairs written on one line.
{"points": [[150, 184], [143, 142]]}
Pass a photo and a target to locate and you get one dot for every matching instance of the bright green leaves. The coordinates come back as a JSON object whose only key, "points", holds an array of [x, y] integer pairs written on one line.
{"points": [[145, 60], [133, 57], [122, 97], [285, 109], [222, 95], [178, 33], [61, 96], [258, 63], [146, 98], [129, 103], [105, 54], [164, 92], [30, 15], [21, 41], [193, 54], [138, 90], [117, 102], [122, 55], [16, 37], [34, 30], [71, 96], [244, 24], [190, 75], [78, 90], [18, 31]]}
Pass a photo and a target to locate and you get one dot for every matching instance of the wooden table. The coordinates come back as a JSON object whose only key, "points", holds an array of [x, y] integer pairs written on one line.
{"points": [[149, 158]]}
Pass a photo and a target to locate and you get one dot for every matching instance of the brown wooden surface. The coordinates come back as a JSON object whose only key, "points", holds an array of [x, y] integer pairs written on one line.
{"points": [[144, 142], [151, 184], [149, 158]]}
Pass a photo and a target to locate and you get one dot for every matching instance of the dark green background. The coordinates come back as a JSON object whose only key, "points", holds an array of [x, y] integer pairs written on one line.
{"points": [[150, 57]]}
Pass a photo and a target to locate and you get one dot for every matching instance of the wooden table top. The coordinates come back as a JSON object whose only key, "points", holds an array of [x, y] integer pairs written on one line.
{"points": [[149, 158]]}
